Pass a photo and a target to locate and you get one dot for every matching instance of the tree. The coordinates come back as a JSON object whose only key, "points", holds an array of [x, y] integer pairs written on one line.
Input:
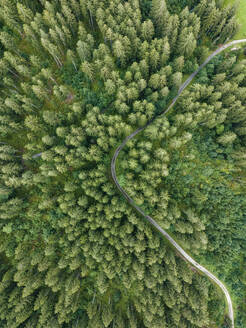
{"points": [[10, 15], [107, 314], [176, 79], [179, 64], [83, 50], [87, 68], [229, 29], [154, 59], [159, 14], [119, 51], [25, 14], [201, 8], [70, 18], [226, 138], [72, 58], [186, 43], [211, 19], [147, 30]]}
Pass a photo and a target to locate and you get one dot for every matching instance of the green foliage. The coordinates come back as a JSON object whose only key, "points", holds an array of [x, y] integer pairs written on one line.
{"points": [[77, 77]]}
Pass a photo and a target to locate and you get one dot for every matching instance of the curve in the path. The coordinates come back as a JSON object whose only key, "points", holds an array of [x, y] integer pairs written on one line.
{"points": [[147, 217]]}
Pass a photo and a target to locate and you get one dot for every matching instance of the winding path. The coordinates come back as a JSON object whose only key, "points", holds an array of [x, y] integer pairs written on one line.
{"points": [[147, 217]]}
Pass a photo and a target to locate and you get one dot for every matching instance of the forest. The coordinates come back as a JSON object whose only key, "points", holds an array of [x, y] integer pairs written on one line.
{"points": [[76, 78]]}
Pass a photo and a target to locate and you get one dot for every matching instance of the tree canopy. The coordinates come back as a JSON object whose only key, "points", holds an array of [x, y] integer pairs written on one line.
{"points": [[77, 77]]}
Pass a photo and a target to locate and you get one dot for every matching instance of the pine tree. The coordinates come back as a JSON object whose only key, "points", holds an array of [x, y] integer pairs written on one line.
{"points": [[226, 138], [201, 8], [10, 15], [119, 51], [229, 30], [25, 14], [186, 43], [179, 64], [211, 18], [160, 15], [53, 50], [83, 50], [147, 30], [71, 19], [72, 58], [107, 315], [8, 41], [87, 68], [176, 79]]}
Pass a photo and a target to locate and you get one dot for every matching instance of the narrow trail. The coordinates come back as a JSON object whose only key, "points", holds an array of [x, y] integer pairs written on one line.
{"points": [[147, 217]]}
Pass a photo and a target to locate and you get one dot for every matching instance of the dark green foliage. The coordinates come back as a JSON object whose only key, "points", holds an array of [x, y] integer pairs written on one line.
{"points": [[145, 6]]}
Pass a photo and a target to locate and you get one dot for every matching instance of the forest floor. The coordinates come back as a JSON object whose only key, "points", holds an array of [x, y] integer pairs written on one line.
{"points": [[241, 14]]}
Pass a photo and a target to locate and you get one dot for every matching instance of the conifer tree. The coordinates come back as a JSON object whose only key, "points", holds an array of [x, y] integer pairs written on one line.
{"points": [[160, 15]]}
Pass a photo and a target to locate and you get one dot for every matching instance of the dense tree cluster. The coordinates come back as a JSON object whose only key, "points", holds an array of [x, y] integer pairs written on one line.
{"points": [[76, 78], [187, 170]]}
